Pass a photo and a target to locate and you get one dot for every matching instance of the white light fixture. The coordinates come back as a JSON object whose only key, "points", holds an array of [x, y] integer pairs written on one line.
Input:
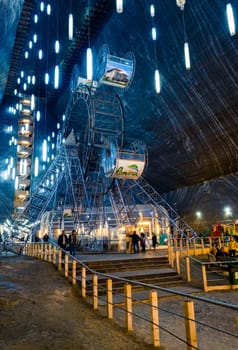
{"points": [[48, 9], [35, 18], [35, 38], [42, 5], [47, 78], [36, 167], [89, 64], [30, 44], [16, 183], [56, 78], [157, 81], [57, 46], [187, 56], [33, 79], [230, 19], [152, 10], [228, 211], [119, 6], [44, 151], [32, 102], [40, 54], [38, 116], [26, 55], [71, 26], [154, 33]]}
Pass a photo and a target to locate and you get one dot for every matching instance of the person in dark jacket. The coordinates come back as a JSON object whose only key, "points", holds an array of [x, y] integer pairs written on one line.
{"points": [[72, 243], [63, 241], [135, 241]]}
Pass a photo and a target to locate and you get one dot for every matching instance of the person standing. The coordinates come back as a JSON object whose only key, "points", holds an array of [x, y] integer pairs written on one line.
{"points": [[142, 242], [73, 243], [63, 241], [135, 241], [46, 237], [154, 240]]}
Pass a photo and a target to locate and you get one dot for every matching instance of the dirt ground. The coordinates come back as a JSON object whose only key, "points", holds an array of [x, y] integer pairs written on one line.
{"points": [[39, 310]]}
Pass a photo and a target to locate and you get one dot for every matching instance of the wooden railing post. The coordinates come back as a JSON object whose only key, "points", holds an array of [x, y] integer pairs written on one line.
{"points": [[54, 255], [59, 259], [194, 246], [109, 299], [204, 278], [49, 252], [38, 250], [190, 325], [66, 265], [187, 245], [45, 245], [177, 262], [154, 318], [83, 285], [169, 251], [188, 272], [74, 272], [128, 303], [42, 251], [95, 292], [202, 242]]}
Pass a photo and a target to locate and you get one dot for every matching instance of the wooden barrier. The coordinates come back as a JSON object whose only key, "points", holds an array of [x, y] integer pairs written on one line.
{"points": [[66, 265], [154, 318], [95, 292], [109, 299], [49, 252], [83, 284], [54, 255], [190, 325], [204, 278], [177, 254], [128, 304], [59, 260], [188, 272], [74, 272]]}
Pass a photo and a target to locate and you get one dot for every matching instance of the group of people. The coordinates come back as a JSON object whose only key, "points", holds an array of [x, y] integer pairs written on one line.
{"points": [[137, 240], [70, 242], [220, 253]]}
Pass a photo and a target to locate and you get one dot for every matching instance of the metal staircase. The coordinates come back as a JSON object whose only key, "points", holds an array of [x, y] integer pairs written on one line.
{"points": [[61, 187], [121, 205], [146, 194]]}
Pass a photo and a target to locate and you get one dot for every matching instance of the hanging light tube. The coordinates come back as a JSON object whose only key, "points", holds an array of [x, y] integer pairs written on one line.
{"points": [[230, 19], [152, 10], [119, 6], [36, 167], [57, 46], [187, 56], [154, 33], [47, 78], [56, 80], [44, 151], [38, 116], [157, 81], [71, 26], [32, 102], [89, 64]]}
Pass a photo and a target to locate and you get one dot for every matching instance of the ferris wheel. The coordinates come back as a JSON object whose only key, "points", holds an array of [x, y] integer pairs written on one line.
{"points": [[95, 115]]}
